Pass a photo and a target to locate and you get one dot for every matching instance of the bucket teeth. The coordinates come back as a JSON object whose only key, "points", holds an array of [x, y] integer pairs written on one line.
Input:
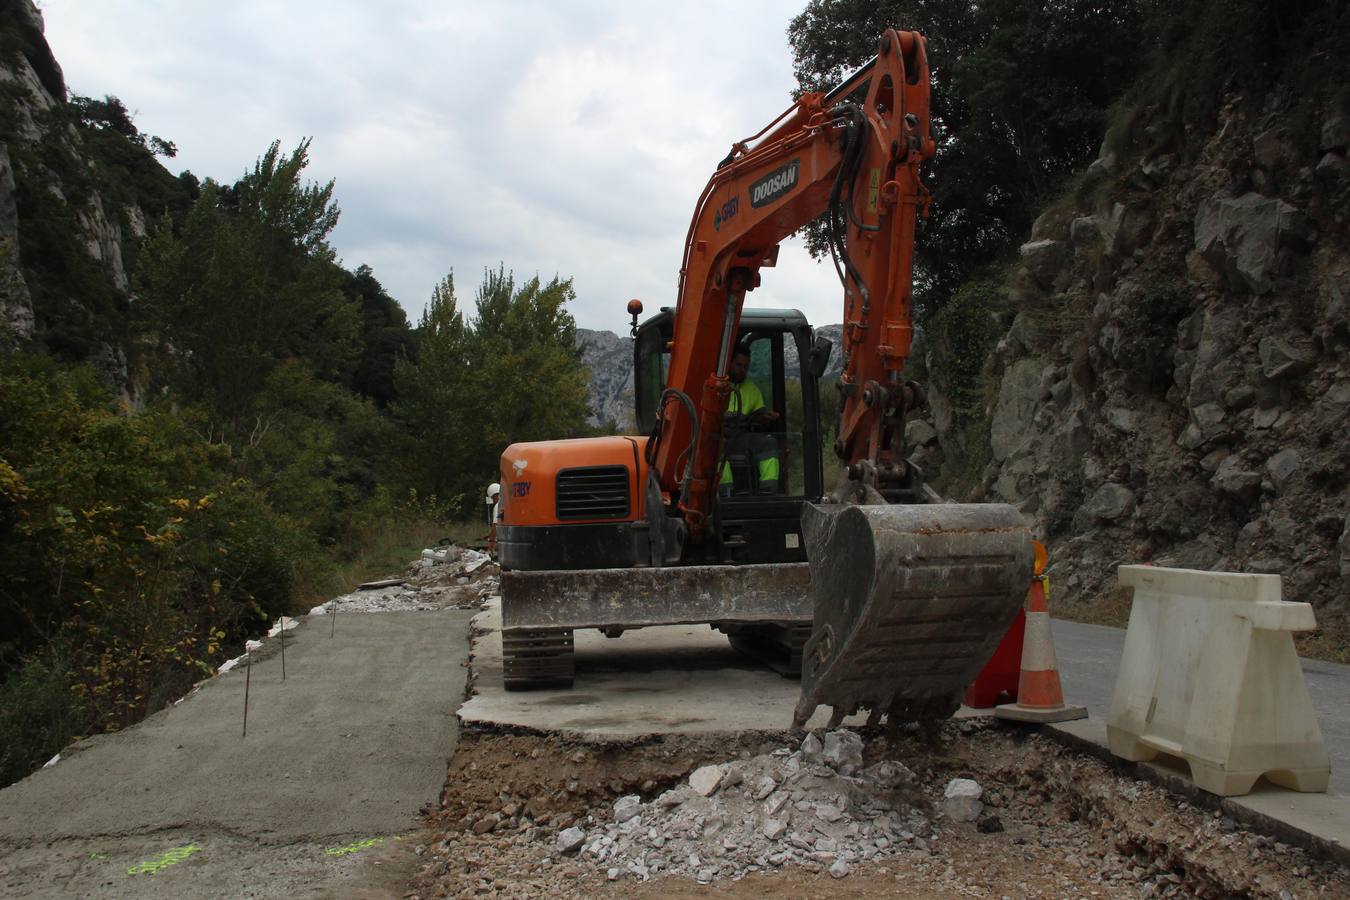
{"points": [[909, 603]]}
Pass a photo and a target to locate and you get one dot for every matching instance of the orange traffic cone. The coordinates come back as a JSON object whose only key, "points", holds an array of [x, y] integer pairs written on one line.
{"points": [[1039, 695]]}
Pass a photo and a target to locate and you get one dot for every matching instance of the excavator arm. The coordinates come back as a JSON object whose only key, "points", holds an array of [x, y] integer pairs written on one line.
{"points": [[853, 157], [910, 595]]}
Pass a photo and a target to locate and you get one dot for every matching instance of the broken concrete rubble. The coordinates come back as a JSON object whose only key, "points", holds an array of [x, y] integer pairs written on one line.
{"points": [[815, 805], [961, 800]]}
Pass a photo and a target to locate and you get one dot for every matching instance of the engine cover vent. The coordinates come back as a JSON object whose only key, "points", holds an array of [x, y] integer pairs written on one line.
{"points": [[593, 492]]}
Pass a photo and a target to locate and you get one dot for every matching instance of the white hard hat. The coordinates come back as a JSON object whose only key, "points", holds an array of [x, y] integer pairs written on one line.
{"points": [[493, 490]]}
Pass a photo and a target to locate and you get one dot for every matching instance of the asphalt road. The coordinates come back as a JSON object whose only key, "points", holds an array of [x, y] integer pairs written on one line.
{"points": [[1089, 657], [345, 750]]}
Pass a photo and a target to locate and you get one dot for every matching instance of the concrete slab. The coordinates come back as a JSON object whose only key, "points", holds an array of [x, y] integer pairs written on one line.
{"points": [[669, 679]]}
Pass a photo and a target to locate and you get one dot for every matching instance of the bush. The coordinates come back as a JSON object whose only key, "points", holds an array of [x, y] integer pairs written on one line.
{"points": [[40, 713]]}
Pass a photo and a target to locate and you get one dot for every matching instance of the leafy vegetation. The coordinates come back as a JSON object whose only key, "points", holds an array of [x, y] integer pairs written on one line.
{"points": [[277, 437], [514, 371], [1021, 96]]}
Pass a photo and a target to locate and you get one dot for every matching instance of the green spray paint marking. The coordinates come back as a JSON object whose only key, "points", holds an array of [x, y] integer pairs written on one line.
{"points": [[171, 858], [354, 847]]}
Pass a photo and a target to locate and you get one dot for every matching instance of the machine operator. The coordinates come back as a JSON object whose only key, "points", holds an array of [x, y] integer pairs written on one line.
{"points": [[745, 407]]}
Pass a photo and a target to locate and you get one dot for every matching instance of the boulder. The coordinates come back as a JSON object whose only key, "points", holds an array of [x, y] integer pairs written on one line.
{"points": [[1241, 236], [1343, 547], [570, 840], [1085, 231], [919, 433], [1111, 501], [1237, 481], [842, 751], [1268, 148], [1128, 228], [1044, 260], [627, 807], [1282, 466], [1335, 131], [961, 800], [1019, 399], [1331, 167], [706, 780], [1286, 357]]}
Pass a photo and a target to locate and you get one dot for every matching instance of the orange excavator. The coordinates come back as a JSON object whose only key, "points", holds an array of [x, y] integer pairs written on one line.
{"points": [[882, 596]]}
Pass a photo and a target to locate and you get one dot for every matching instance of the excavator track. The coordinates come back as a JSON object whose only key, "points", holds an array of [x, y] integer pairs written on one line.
{"points": [[537, 658], [910, 603]]}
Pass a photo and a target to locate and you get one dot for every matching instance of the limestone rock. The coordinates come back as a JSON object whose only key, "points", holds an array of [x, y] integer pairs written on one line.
{"points": [[889, 774], [1241, 236], [1343, 547], [1044, 260], [961, 800], [1128, 228], [706, 780], [1019, 400], [842, 751], [1285, 357], [1234, 479], [1111, 501], [1335, 131], [1282, 466], [570, 840], [627, 807], [1331, 167], [839, 869], [1085, 231], [811, 748], [1268, 148], [919, 433]]}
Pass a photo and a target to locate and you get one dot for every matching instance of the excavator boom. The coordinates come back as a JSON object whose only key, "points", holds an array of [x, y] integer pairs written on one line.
{"points": [[910, 600]]}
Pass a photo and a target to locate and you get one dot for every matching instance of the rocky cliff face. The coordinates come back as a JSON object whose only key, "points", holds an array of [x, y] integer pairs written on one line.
{"points": [[1172, 381], [610, 360], [47, 173]]}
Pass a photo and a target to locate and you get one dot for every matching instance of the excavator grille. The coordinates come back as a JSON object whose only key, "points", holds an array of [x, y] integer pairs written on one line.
{"points": [[593, 492]]}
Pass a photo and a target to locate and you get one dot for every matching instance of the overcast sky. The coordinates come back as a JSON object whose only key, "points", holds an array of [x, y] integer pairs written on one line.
{"points": [[553, 137]]}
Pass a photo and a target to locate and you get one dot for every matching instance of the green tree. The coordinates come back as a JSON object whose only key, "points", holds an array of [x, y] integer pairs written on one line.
{"points": [[385, 336], [1020, 96], [514, 373], [248, 282]]}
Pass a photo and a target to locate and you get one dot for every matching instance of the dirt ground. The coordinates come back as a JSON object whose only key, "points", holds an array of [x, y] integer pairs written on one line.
{"points": [[1056, 824]]}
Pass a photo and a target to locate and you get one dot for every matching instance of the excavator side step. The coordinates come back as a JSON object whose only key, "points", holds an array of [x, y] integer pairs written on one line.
{"points": [[537, 658]]}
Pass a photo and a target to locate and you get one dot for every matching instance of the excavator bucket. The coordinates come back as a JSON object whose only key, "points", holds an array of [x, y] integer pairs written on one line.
{"points": [[910, 603]]}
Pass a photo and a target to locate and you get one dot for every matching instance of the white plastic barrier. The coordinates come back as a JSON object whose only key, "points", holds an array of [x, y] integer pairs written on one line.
{"points": [[1209, 674]]}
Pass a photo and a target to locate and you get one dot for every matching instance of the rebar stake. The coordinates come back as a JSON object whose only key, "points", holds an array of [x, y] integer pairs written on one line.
{"points": [[283, 648], [332, 629], [248, 677]]}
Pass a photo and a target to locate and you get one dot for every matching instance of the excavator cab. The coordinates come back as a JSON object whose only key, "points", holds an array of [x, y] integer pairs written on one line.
{"points": [[770, 465]]}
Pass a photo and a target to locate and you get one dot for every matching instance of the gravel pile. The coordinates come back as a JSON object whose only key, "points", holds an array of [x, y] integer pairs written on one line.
{"points": [[816, 805], [443, 578]]}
